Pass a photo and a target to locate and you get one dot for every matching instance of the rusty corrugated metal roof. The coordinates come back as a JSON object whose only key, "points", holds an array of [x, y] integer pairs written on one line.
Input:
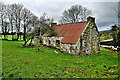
{"points": [[71, 32]]}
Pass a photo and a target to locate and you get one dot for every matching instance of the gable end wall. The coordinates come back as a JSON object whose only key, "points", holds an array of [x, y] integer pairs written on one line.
{"points": [[90, 40]]}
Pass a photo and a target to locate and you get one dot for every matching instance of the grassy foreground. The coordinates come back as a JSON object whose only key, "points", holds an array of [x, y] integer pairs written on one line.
{"points": [[29, 63]]}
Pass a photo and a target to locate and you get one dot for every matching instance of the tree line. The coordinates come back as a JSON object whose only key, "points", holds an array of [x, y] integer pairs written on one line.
{"points": [[15, 17]]}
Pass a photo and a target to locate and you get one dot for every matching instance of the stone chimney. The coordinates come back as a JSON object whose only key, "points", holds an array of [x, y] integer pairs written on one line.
{"points": [[53, 24], [91, 19]]}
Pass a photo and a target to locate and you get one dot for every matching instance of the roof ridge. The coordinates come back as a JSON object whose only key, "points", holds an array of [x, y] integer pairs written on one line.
{"points": [[72, 23]]}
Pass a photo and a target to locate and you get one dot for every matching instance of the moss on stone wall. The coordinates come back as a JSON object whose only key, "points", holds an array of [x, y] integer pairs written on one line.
{"points": [[89, 39]]}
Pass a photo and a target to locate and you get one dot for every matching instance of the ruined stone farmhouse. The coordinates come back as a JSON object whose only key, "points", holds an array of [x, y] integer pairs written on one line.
{"points": [[76, 38]]}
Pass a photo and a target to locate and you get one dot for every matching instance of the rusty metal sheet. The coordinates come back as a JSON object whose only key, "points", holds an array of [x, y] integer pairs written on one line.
{"points": [[71, 32]]}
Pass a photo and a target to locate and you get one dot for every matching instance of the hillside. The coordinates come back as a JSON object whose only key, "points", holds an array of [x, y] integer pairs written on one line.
{"points": [[30, 63], [104, 35]]}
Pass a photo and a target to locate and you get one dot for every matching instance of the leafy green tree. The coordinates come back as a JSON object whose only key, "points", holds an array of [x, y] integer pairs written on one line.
{"points": [[114, 34]]}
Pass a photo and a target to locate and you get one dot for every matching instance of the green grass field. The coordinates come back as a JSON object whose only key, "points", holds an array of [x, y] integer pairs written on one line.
{"points": [[103, 37], [9, 37], [29, 63]]}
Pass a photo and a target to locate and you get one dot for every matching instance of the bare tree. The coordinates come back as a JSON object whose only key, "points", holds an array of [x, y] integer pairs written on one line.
{"points": [[10, 9], [86, 12], [34, 23], [75, 14], [27, 20], [45, 24], [17, 14], [3, 16]]}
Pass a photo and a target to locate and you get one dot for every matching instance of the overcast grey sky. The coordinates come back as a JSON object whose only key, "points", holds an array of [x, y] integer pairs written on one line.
{"points": [[104, 12]]}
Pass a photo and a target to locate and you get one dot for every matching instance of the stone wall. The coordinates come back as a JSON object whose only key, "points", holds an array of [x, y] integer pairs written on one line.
{"points": [[90, 40], [36, 41], [71, 48], [67, 48], [51, 41]]}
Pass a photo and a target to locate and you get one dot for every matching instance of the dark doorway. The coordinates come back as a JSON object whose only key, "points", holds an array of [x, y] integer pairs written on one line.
{"points": [[57, 43], [49, 42]]}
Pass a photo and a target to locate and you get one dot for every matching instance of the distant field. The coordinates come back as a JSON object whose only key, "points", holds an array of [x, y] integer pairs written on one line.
{"points": [[30, 63], [9, 37], [103, 37]]}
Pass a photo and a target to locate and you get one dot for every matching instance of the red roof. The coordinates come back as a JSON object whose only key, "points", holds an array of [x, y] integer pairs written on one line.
{"points": [[71, 32]]}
